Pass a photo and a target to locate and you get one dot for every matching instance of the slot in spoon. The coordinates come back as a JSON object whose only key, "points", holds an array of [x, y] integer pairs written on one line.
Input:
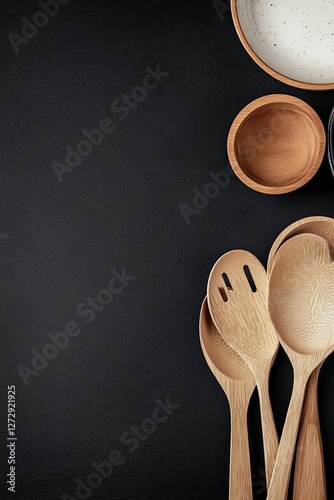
{"points": [[238, 298]]}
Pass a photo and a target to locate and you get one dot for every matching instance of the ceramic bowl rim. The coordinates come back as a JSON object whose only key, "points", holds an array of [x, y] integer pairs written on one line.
{"points": [[272, 72]]}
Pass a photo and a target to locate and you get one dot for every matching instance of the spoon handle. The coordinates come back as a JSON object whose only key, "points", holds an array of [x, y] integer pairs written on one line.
{"points": [[269, 432], [310, 480], [279, 484], [240, 471]]}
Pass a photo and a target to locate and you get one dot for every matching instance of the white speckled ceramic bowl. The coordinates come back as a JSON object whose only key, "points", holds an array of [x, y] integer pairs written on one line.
{"points": [[293, 40]]}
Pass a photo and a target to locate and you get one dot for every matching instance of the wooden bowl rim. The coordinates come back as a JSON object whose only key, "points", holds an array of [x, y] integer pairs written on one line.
{"points": [[250, 108], [265, 67]]}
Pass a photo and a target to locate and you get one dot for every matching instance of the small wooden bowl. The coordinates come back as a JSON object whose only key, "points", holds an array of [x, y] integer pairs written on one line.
{"points": [[276, 144]]}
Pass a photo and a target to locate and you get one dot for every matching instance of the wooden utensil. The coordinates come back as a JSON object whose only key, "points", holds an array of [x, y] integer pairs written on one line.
{"points": [[322, 226], [309, 476], [276, 144], [238, 384], [237, 298], [301, 294]]}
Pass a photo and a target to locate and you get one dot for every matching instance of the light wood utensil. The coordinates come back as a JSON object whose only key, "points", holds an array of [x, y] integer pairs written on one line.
{"points": [[238, 384], [322, 226], [301, 295], [309, 475], [237, 298]]}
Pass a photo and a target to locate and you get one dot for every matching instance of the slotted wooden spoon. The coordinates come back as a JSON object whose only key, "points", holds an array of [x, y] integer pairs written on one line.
{"points": [[237, 298], [238, 383], [309, 476], [301, 295]]}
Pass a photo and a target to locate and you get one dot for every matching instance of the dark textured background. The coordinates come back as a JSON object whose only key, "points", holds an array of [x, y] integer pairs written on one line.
{"points": [[60, 243]]}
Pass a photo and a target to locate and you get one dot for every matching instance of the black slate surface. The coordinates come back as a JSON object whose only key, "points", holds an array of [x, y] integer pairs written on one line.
{"points": [[118, 211]]}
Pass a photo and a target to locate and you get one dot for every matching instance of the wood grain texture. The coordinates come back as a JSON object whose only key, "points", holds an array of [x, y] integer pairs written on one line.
{"points": [[238, 383], [322, 226], [264, 66], [301, 294], [276, 144], [309, 476], [242, 319]]}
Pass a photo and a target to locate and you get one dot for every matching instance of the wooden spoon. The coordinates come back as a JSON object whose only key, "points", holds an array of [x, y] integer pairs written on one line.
{"points": [[322, 226], [238, 384], [301, 294], [237, 298], [309, 477]]}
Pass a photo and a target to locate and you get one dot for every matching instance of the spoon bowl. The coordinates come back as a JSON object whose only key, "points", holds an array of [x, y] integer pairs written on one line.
{"points": [[322, 226], [237, 298], [238, 383], [309, 477], [222, 358], [301, 294]]}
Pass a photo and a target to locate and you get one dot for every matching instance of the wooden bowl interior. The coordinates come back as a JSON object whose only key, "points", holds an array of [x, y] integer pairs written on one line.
{"points": [[277, 144]]}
